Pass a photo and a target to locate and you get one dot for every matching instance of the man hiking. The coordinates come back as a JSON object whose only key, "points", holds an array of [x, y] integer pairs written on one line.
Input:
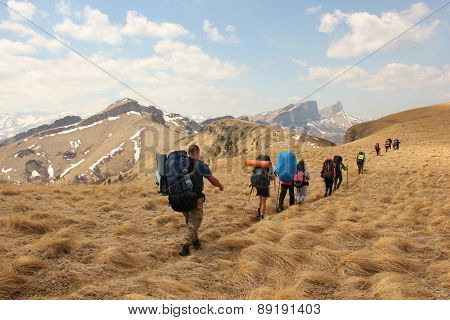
{"points": [[338, 167], [194, 217], [360, 160], [327, 174], [260, 180], [387, 145], [377, 148], [301, 182]]}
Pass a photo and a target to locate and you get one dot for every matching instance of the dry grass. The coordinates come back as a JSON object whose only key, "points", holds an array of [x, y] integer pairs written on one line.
{"points": [[385, 237]]}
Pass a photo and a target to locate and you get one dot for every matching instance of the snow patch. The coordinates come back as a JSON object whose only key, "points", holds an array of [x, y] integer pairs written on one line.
{"points": [[75, 143], [75, 129], [137, 144], [113, 118], [6, 170], [72, 166], [110, 135], [134, 113], [111, 154], [35, 174]]}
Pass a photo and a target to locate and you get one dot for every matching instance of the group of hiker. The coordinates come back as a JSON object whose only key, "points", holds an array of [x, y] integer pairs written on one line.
{"points": [[388, 144], [180, 177]]}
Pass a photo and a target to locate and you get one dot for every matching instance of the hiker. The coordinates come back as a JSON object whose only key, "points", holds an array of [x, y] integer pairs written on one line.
{"points": [[260, 180], [387, 145], [327, 174], [360, 159], [377, 148], [194, 217], [390, 143], [285, 170], [396, 144], [301, 182], [338, 167]]}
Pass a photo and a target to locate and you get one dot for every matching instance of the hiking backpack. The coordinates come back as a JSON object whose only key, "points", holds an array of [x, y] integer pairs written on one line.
{"points": [[360, 158], [178, 170], [328, 169], [260, 176], [160, 174], [299, 178], [286, 167]]}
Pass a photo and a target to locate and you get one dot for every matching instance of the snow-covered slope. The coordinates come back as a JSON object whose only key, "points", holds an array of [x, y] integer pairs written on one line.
{"points": [[17, 122], [329, 123], [110, 143]]}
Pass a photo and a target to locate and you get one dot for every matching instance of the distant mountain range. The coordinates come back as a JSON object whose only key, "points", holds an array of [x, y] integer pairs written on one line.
{"points": [[329, 123]]}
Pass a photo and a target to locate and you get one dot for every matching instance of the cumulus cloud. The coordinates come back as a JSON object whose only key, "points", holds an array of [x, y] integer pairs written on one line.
{"points": [[365, 32], [96, 27], [139, 25], [63, 8], [27, 9], [392, 77], [314, 9], [213, 34]]}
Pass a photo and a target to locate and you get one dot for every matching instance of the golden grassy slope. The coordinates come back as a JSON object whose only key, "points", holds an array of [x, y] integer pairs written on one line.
{"points": [[386, 237]]}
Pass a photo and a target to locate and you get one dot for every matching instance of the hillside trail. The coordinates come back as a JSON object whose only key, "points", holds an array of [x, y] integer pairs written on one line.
{"points": [[385, 237]]}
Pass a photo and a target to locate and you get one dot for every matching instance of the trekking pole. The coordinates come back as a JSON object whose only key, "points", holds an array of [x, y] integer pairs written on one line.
{"points": [[347, 176], [248, 200]]}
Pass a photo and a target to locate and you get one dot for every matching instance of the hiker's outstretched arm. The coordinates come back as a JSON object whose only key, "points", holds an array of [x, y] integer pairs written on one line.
{"points": [[215, 182]]}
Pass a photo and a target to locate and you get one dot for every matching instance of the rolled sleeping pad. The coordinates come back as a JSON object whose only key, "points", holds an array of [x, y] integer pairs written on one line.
{"points": [[257, 163]]}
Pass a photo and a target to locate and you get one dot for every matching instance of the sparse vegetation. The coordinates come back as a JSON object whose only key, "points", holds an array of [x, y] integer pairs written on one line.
{"points": [[385, 237]]}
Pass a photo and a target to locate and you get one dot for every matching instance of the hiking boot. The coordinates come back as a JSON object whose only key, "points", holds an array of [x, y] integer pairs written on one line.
{"points": [[258, 215], [196, 244], [184, 251], [279, 209]]}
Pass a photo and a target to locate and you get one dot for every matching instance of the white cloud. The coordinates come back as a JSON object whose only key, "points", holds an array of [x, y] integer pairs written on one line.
{"points": [[399, 76], [63, 8], [213, 34], [299, 62], [325, 73], [27, 9], [366, 32], [96, 27], [139, 25], [392, 77], [314, 9]]}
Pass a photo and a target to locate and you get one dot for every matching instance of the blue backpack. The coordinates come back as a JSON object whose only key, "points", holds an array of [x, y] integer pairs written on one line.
{"points": [[178, 170], [286, 166]]}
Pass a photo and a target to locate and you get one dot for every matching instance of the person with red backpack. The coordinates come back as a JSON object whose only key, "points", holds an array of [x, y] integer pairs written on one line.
{"points": [[377, 148], [301, 182], [260, 180], [327, 174]]}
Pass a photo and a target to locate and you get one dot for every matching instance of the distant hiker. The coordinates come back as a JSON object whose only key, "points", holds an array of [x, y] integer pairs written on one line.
{"points": [[360, 160], [338, 167], [301, 182], [396, 144], [184, 175], [285, 170], [260, 180], [377, 148], [390, 143], [327, 174], [387, 145]]}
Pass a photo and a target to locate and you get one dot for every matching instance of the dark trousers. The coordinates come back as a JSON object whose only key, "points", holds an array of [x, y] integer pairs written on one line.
{"points": [[360, 168], [378, 151], [337, 181], [284, 189], [328, 186]]}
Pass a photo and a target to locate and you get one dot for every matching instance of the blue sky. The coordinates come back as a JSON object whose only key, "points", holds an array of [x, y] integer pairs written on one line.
{"points": [[224, 57]]}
